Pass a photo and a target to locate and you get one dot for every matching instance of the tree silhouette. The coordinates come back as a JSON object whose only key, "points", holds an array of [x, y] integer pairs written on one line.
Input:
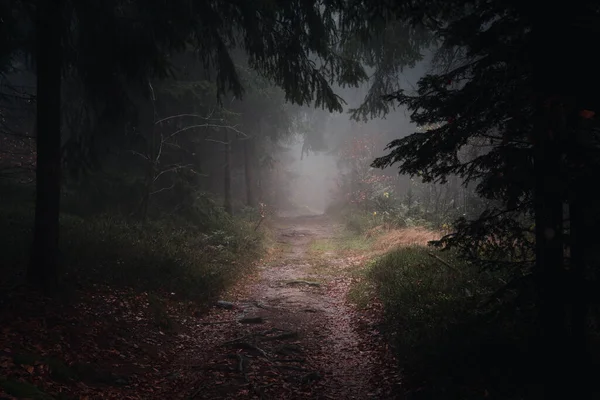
{"points": [[116, 44]]}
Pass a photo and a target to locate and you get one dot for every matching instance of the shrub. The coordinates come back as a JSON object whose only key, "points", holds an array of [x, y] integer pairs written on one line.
{"points": [[447, 343], [157, 256], [167, 255], [358, 222]]}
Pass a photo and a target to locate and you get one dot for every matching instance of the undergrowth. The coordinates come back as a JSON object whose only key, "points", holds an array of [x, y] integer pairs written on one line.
{"points": [[346, 243], [449, 341], [359, 221], [166, 256]]}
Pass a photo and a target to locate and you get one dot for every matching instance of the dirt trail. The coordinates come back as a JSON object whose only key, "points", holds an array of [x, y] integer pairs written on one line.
{"points": [[293, 335]]}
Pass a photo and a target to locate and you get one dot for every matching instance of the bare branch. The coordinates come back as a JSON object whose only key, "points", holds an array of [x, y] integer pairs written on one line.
{"points": [[233, 128], [217, 141], [139, 154], [160, 121], [162, 141], [171, 169], [163, 189]]}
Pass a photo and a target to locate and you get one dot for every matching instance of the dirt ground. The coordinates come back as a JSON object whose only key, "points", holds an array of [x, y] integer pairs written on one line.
{"points": [[285, 332], [298, 337]]}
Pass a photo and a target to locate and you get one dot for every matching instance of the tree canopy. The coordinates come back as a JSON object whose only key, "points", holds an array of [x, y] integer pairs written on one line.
{"points": [[506, 80]]}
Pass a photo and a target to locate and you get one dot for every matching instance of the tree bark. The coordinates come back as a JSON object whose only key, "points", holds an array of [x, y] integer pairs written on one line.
{"points": [[548, 209], [249, 172], [227, 175], [578, 248], [43, 266], [583, 222], [548, 50]]}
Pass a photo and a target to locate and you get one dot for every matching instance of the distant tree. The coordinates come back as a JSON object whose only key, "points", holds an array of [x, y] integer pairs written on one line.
{"points": [[263, 115], [360, 182], [116, 45]]}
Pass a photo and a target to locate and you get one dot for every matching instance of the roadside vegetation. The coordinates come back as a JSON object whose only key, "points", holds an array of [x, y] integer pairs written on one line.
{"points": [[165, 256], [128, 295], [451, 338], [457, 328], [454, 328]]}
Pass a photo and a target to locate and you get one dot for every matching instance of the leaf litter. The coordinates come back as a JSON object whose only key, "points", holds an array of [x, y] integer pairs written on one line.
{"points": [[302, 341]]}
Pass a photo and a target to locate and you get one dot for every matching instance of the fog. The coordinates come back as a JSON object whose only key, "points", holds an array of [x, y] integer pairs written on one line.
{"points": [[316, 175], [315, 180]]}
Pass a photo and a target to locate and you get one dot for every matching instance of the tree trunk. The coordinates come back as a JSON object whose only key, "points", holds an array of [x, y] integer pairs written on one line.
{"points": [[548, 55], [227, 175], [43, 265], [143, 100], [578, 249], [583, 222], [249, 172], [549, 248]]}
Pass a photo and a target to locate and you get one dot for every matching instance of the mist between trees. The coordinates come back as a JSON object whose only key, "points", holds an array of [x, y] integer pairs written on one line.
{"points": [[147, 147]]}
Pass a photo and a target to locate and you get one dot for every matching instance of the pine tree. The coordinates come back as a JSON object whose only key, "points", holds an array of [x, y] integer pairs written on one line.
{"points": [[503, 80]]}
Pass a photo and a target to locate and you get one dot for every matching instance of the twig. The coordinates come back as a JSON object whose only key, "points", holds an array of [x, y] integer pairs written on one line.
{"points": [[217, 322], [249, 346], [183, 115], [163, 189], [186, 128], [445, 263], [317, 284], [258, 224], [137, 153], [216, 141]]}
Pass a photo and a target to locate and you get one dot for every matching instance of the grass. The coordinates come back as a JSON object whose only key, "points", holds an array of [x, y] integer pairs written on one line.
{"points": [[423, 295], [344, 244], [158, 256], [448, 345], [362, 291]]}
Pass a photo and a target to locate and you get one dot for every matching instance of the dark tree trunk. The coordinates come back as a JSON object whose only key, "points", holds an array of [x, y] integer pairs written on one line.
{"points": [[561, 43], [249, 172], [548, 207], [583, 222], [145, 202], [43, 264], [143, 99], [578, 249], [548, 51], [227, 176]]}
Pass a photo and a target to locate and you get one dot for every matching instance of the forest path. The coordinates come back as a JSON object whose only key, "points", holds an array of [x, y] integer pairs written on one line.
{"points": [[294, 335]]}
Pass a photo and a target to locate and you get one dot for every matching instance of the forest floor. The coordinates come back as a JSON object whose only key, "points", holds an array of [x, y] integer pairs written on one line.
{"points": [[286, 332], [307, 342]]}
